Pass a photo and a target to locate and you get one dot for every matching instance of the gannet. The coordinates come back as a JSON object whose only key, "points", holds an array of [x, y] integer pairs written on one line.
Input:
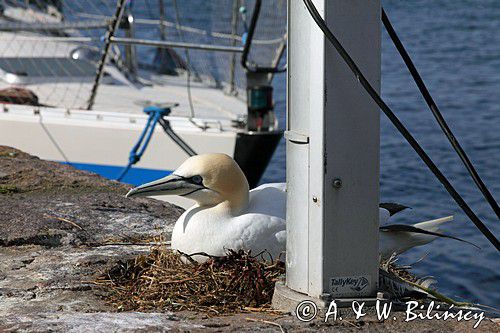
{"points": [[229, 216]]}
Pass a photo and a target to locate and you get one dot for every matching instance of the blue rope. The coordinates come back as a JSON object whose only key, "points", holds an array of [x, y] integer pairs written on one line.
{"points": [[154, 113]]}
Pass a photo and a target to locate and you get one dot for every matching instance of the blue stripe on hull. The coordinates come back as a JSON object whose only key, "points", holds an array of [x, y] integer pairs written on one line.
{"points": [[135, 176]]}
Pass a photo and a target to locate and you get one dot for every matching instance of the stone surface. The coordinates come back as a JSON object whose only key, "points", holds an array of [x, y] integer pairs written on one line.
{"points": [[37, 279], [61, 228], [72, 322], [50, 204]]}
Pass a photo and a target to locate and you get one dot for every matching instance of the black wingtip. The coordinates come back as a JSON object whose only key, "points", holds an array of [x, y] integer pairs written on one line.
{"points": [[410, 228], [393, 207]]}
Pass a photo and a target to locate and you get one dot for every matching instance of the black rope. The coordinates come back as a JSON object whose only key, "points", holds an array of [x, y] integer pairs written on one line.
{"points": [[248, 44], [437, 114], [399, 125], [165, 124]]}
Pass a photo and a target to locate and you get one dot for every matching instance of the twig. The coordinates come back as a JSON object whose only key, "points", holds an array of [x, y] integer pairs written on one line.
{"points": [[439, 296], [127, 243], [177, 281], [491, 308], [65, 220], [266, 310], [267, 322], [190, 256], [348, 322]]}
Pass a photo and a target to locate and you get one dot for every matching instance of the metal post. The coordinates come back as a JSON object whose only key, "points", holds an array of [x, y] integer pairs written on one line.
{"points": [[130, 50], [332, 154], [278, 56], [161, 8]]}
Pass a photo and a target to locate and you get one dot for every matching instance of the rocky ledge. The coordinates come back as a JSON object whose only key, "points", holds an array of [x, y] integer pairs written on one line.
{"points": [[60, 228]]}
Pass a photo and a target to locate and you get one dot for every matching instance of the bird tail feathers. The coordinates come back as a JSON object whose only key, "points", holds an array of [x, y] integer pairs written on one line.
{"points": [[433, 225], [420, 232]]}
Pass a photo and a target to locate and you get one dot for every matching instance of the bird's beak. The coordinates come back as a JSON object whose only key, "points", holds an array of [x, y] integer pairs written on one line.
{"points": [[170, 185]]}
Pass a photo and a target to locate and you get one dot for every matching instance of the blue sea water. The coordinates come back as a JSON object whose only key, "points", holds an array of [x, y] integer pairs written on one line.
{"points": [[456, 47]]}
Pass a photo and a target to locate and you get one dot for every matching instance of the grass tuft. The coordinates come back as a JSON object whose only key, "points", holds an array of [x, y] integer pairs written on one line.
{"points": [[6, 189]]}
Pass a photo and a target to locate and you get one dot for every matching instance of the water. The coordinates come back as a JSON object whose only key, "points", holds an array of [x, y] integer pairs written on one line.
{"points": [[456, 47]]}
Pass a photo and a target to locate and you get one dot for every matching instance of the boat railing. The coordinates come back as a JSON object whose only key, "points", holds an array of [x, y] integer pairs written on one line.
{"points": [[167, 44], [203, 41]]}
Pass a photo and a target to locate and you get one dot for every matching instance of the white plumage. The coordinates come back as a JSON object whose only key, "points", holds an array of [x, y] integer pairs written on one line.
{"points": [[401, 241], [259, 227], [228, 216]]}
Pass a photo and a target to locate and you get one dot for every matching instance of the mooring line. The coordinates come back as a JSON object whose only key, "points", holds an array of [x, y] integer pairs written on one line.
{"points": [[437, 114]]}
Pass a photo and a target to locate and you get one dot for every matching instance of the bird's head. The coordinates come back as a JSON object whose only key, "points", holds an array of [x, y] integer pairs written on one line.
{"points": [[209, 179]]}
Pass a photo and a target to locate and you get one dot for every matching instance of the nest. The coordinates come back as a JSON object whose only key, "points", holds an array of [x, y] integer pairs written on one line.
{"points": [[401, 271], [167, 280], [164, 281]]}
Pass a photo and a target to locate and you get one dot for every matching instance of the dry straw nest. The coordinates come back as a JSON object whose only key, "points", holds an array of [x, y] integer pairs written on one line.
{"points": [[168, 280]]}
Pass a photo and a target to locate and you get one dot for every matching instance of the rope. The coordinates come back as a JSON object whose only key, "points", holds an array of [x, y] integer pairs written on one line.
{"points": [[52, 139], [399, 125], [247, 41], [170, 132], [437, 114], [155, 115], [140, 147]]}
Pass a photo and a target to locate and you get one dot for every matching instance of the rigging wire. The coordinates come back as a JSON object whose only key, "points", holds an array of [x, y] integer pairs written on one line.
{"points": [[437, 114], [112, 28], [188, 60], [399, 125], [52, 139]]}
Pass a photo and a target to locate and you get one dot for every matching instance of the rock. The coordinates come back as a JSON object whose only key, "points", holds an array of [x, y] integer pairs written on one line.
{"points": [[81, 219], [52, 204], [60, 228], [99, 322], [40, 279]]}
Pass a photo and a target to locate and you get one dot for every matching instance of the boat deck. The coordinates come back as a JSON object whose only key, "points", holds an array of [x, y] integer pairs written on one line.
{"points": [[116, 93]]}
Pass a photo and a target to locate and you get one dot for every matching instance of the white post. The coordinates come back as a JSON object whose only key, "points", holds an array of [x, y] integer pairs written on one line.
{"points": [[332, 152]]}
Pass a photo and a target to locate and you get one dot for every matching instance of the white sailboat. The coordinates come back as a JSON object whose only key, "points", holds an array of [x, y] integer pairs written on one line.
{"points": [[55, 106]]}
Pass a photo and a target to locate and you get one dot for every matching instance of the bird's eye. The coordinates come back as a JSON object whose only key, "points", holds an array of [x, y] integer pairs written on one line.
{"points": [[197, 179]]}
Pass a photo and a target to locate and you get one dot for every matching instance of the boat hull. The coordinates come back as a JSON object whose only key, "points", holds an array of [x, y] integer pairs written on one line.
{"points": [[101, 141]]}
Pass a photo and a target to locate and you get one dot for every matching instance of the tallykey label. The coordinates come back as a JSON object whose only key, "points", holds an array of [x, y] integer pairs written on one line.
{"points": [[347, 285]]}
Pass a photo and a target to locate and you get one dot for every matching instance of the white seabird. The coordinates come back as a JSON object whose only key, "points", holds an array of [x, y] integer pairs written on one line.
{"points": [[229, 216]]}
